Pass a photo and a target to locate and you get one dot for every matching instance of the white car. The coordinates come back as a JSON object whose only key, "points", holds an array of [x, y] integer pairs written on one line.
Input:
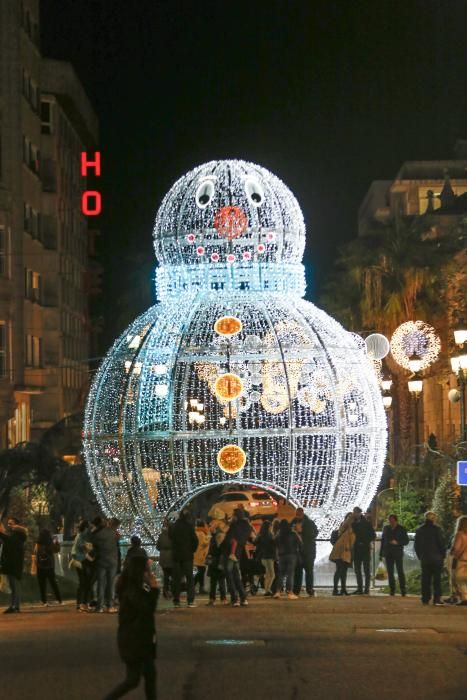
{"points": [[255, 502]]}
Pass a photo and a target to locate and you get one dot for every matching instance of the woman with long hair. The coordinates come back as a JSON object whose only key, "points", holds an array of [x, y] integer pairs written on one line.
{"points": [[341, 553], [137, 591], [44, 551], [288, 549], [459, 554]]}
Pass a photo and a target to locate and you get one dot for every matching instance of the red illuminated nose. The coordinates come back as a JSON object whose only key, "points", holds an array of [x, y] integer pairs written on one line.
{"points": [[230, 222]]}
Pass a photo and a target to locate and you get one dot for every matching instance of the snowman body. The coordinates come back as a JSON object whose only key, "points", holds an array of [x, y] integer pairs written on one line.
{"points": [[232, 376]]}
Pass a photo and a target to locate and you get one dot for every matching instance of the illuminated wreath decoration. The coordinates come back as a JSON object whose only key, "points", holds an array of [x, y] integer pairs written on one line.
{"points": [[415, 338], [231, 459], [228, 325]]}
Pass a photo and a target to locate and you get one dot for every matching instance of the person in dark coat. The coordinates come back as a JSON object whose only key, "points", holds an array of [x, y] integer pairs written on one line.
{"points": [[11, 564], [164, 545], [430, 548], [44, 551], [306, 562], [137, 593], [234, 547], [216, 571], [184, 545], [135, 549], [104, 539], [288, 549], [364, 536], [393, 541], [266, 554]]}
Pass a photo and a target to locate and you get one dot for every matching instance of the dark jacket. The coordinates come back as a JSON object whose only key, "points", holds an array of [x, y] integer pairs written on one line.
{"points": [[265, 547], [136, 636], [240, 531], [164, 545], [309, 533], [13, 553], [45, 555], [215, 558], [105, 545], [288, 544], [429, 543], [184, 540], [136, 550], [399, 533], [364, 534]]}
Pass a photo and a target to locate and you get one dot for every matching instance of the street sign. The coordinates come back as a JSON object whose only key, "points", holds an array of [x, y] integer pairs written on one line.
{"points": [[462, 473]]}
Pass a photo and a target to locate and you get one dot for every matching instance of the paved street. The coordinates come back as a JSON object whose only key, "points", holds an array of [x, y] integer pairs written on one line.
{"points": [[323, 648]]}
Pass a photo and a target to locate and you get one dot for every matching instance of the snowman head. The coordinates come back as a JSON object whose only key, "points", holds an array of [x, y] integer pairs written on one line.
{"points": [[229, 212]]}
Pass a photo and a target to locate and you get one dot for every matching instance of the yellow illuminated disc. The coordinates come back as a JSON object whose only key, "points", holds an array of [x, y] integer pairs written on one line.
{"points": [[231, 459], [228, 387], [228, 325]]}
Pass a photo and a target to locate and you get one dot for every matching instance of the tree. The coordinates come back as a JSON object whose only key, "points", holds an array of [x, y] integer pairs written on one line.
{"points": [[22, 466], [71, 498], [446, 503]]}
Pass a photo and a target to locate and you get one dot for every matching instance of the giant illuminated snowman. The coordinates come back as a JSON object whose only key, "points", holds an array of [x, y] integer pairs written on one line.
{"points": [[232, 376]]}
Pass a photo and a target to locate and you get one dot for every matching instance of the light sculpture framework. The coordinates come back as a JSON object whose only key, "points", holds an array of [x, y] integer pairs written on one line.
{"points": [[415, 338], [309, 422]]}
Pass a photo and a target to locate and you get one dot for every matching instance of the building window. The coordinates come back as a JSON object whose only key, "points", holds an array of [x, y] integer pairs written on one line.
{"points": [[33, 351], [3, 252], [3, 349], [46, 117], [33, 285]]}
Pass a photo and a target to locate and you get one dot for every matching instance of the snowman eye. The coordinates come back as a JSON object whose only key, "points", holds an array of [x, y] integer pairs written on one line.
{"points": [[254, 191], [204, 194]]}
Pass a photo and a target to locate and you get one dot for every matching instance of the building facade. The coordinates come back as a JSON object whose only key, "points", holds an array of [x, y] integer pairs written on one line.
{"points": [[46, 121]]}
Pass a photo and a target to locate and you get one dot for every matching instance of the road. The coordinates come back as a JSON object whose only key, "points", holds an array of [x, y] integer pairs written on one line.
{"points": [[324, 648]]}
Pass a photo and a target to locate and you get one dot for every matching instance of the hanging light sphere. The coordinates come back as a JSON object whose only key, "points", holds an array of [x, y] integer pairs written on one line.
{"points": [[231, 459], [377, 346], [415, 338], [232, 376]]}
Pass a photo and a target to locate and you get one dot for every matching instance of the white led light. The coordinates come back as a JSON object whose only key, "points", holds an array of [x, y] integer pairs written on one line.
{"points": [[415, 338], [309, 422]]}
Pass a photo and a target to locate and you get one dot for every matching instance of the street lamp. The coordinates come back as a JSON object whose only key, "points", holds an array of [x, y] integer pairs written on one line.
{"points": [[459, 367], [415, 385], [386, 385]]}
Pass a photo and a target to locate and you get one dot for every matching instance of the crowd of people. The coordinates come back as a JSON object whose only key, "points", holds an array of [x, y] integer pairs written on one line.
{"points": [[238, 559]]}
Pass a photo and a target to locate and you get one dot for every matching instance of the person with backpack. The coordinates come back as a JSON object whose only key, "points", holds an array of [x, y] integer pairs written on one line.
{"points": [[137, 591], [393, 541], [44, 551]]}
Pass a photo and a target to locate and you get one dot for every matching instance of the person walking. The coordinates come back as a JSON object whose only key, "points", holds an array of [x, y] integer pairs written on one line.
{"points": [[164, 545], [233, 549], [79, 553], [364, 536], [341, 554], [306, 562], [44, 551], [13, 539], [104, 541], [288, 549], [199, 560], [184, 544], [216, 571], [430, 549], [135, 549], [393, 540], [459, 554], [266, 554], [137, 592]]}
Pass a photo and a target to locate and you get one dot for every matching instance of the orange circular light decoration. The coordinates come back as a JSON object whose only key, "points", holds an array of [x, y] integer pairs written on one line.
{"points": [[230, 222], [228, 387], [231, 459], [228, 325]]}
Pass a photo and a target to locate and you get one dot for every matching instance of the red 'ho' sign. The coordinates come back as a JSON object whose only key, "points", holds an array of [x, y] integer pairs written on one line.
{"points": [[91, 200]]}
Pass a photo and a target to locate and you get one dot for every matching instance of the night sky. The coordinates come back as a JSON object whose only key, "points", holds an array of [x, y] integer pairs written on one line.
{"points": [[328, 95]]}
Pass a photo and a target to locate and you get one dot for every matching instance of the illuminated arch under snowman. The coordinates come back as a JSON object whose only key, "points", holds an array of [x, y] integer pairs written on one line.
{"points": [[232, 376]]}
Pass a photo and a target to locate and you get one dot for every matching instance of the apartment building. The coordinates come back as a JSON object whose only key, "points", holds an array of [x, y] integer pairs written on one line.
{"points": [[46, 121]]}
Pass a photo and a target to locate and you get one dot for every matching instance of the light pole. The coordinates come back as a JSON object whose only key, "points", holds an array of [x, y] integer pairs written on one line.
{"points": [[459, 367], [387, 403], [415, 385]]}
